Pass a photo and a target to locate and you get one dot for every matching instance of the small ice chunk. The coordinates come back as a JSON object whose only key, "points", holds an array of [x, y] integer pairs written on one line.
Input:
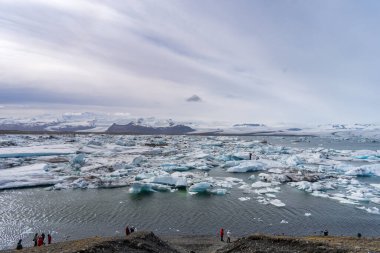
{"points": [[219, 191], [307, 214], [143, 176], [276, 202], [372, 210], [284, 222], [78, 161], [260, 184], [137, 161], [244, 198]]}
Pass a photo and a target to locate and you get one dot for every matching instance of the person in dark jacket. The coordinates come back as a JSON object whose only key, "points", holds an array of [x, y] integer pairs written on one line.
{"points": [[49, 239], [19, 245], [127, 231], [35, 239]]}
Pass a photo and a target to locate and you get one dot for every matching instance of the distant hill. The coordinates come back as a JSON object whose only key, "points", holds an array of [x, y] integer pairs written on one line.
{"points": [[133, 128]]}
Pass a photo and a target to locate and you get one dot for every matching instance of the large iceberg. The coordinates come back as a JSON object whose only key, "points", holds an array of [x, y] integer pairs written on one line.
{"points": [[26, 176], [45, 150]]}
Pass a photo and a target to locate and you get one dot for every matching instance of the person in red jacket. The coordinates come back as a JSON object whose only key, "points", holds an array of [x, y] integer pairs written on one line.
{"points": [[40, 241], [49, 239], [221, 234]]}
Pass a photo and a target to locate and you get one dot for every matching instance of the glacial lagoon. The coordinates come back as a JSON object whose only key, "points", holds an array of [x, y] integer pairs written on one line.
{"points": [[83, 185]]}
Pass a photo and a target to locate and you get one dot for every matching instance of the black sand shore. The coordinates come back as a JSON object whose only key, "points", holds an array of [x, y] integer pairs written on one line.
{"points": [[141, 242]]}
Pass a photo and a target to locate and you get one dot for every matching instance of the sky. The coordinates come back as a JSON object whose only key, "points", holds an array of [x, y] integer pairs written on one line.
{"points": [[253, 61]]}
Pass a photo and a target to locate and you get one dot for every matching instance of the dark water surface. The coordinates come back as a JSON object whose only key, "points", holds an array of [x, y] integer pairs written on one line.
{"points": [[72, 214]]}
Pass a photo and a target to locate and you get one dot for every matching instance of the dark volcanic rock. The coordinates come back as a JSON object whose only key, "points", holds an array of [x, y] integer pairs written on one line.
{"points": [[23, 127], [271, 244], [132, 128]]}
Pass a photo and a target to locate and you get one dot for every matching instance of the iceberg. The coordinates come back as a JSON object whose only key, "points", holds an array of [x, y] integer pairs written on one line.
{"points": [[26, 176], [247, 166], [200, 187], [143, 176], [219, 191], [365, 171], [138, 187], [179, 182], [260, 184], [47, 150], [276, 202]]}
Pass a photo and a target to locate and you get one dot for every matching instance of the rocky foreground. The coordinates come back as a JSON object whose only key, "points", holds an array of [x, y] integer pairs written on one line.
{"points": [[141, 242]]}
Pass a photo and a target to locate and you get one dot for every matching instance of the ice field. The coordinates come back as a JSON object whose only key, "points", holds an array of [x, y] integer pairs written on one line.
{"points": [[217, 170]]}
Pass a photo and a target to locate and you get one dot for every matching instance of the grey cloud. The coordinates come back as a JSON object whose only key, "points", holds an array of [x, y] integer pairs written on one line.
{"points": [[194, 98]]}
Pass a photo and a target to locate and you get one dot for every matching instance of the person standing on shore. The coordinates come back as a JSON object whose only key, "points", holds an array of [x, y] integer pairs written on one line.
{"points": [[228, 236], [19, 245], [221, 234], [127, 231], [49, 239], [40, 241], [35, 239], [43, 238]]}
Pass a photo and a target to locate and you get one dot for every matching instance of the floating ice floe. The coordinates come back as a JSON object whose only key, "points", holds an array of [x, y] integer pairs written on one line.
{"points": [[247, 166], [244, 198], [47, 150], [179, 182], [365, 171], [200, 187], [284, 222], [373, 210], [307, 214], [276, 202], [141, 188], [26, 176], [260, 184]]}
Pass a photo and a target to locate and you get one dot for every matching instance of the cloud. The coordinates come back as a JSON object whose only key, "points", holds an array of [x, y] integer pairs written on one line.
{"points": [[146, 56], [194, 98]]}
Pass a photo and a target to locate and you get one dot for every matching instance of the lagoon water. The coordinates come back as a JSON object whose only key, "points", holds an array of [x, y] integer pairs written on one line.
{"points": [[73, 214]]}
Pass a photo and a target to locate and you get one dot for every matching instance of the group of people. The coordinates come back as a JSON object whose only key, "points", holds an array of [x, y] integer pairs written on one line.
{"points": [[221, 233], [39, 240], [129, 230]]}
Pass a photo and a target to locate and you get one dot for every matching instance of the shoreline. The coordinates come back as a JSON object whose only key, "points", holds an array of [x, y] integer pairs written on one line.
{"points": [[144, 241]]}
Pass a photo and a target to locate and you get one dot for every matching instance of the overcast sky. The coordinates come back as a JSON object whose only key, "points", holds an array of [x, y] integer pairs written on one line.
{"points": [[239, 61]]}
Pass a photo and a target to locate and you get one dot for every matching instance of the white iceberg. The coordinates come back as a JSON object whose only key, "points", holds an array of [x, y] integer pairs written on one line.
{"points": [[276, 202], [26, 176], [365, 171], [260, 184], [247, 166]]}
